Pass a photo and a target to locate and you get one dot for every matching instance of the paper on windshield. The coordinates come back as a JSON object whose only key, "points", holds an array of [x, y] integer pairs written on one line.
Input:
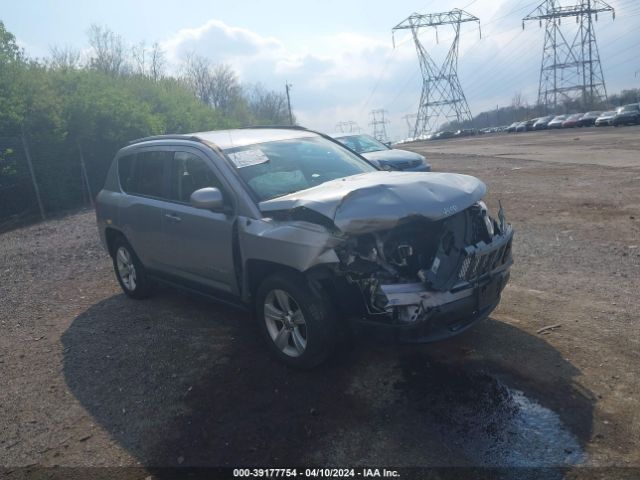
{"points": [[246, 158]]}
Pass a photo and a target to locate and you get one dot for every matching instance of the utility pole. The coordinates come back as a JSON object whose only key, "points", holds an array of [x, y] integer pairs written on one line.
{"points": [[571, 70], [287, 86], [442, 99], [27, 153], [379, 122], [83, 168]]}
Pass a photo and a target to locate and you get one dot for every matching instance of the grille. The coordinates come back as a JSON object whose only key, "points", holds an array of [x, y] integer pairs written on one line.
{"points": [[478, 263], [402, 165]]}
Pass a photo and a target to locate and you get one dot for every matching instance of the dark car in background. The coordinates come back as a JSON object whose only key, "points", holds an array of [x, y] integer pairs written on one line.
{"points": [[512, 128], [588, 119], [527, 125], [627, 115], [604, 119], [442, 135], [557, 121], [542, 122], [381, 155], [572, 120], [467, 132]]}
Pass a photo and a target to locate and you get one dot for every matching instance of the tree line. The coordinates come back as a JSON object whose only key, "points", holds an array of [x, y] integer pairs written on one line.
{"points": [[78, 107]]}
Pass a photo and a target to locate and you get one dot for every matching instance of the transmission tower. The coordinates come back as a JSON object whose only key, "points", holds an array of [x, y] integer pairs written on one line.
{"points": [[411, 123], [442, 98], [348, 127], [570, 70], [379, 123]]}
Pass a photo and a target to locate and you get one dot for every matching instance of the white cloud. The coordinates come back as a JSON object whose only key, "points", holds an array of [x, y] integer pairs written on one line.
{"points": [[329, 85]]}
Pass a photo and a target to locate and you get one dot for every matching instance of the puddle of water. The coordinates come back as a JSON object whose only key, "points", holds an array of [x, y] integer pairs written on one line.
{"points": [[490, 423]]}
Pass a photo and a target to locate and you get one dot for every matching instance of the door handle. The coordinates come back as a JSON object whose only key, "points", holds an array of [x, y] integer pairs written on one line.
{"points": [[173, 217]]}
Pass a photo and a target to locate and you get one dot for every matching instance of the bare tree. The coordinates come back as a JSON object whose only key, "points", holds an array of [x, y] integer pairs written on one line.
{"points": [[157, 62], [217, 86], [516, 101], [268, 106], [196, 73], [148, 62], [224, 88], [108, 54], [64, 58], [139, 54]]}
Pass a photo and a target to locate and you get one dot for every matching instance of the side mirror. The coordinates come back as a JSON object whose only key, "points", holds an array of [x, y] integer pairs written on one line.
{"points": [[208, 198]]}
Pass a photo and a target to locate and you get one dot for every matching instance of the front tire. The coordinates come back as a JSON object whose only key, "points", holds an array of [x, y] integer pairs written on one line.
{"points": [[296, 321], [129, 271]]}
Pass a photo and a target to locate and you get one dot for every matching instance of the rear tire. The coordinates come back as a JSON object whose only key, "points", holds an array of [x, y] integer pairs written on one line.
{"points": [[130, 273], [296, 320]]}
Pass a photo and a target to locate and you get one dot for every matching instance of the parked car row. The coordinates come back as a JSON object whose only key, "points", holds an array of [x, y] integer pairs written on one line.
{"points": [[625, 115]]}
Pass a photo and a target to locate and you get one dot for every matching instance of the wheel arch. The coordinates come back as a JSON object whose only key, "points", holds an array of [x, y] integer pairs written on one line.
{"points": [[111, 235], [318, 278]]}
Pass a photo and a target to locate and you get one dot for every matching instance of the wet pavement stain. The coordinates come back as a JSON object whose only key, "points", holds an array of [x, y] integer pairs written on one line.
{"points": [[494, 425]]}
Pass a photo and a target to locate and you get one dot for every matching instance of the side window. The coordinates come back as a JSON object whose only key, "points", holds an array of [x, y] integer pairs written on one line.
{"points": [[188, 174], [148, 178], [125, 171]]}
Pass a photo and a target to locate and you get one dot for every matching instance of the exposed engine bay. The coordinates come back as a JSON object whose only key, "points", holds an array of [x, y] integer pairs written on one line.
{"points": [[397, 271]]}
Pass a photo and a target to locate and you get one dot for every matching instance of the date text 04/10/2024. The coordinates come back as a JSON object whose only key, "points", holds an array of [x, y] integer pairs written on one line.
{"points": [[315, 473]]}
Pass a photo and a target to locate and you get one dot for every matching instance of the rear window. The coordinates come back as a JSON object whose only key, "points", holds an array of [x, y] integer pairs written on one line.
{"points": [[143, 173], [125, 171]]}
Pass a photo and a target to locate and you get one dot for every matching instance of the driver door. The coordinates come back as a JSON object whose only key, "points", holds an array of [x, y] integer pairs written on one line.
{"points": [[200, 240]]}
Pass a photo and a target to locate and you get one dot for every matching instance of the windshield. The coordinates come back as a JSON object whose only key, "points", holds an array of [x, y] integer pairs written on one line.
{"points": [[273, 169], [362, 143], [629, 108]]}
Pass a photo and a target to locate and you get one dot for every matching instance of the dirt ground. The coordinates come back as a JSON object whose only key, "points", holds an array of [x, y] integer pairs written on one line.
{"points": [[91, 378]]}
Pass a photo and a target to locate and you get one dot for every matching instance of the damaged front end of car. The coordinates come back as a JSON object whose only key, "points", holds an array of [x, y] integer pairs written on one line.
{"points": [[414, 253], [430, 279]]}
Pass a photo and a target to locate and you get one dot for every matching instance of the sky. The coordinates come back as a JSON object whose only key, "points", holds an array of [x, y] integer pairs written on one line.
{"points": [[337, 55]]}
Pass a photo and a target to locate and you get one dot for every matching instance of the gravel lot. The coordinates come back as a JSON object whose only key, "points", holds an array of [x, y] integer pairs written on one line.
{"points": [[91, 378]]}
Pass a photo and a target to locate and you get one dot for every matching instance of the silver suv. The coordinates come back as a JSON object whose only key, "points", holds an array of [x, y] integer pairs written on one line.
{"points": [[306, 233]]}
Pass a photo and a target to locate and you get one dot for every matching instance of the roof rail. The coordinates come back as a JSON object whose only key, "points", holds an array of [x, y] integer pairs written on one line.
{"points": [[287, 127], [165, 137]]}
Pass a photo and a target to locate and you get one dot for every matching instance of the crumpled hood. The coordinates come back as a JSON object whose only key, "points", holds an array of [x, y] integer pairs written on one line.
{"points": [[379, 200], [391, 156]]}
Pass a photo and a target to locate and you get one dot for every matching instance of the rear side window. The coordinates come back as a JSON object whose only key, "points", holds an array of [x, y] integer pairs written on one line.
{"points": [[143, 173], [125, 171], [188, 174]]}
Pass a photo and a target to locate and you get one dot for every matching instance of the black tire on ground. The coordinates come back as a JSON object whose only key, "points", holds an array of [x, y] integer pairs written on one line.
{"points": [[321, 326], [141, 287]]}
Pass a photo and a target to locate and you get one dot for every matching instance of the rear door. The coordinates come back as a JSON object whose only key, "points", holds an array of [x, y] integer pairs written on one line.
{"points": [[198, 242], [143, 177]]}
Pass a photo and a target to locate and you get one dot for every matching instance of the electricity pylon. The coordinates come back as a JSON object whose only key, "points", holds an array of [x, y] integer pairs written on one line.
{"points": [[442, 100], [571, 70], [379, 123], [347, 127], [411, 123]]}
